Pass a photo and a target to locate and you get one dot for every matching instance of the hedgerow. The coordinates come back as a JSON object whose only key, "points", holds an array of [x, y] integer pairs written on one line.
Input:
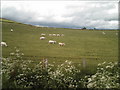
{"points": [[20, 73]]}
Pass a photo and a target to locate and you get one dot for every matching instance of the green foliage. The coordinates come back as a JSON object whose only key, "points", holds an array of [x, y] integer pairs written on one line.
{"points": [[66, 75], [20, 73], [107, 76]]}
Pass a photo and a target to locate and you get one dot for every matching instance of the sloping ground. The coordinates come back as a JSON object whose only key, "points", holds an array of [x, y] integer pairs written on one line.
{"points": [[91, 46]]}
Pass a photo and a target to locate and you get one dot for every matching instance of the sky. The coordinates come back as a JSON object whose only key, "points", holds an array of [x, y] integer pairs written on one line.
{"points": [[63, 14]]}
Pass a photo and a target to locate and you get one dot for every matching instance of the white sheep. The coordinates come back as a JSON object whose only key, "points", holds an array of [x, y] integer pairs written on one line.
{"points": [[103, 32], [62, 44], [54, 34], [50, 34], [58, 35], [42, 38], [3, 44], [11, 30], [43, 34], [116, 33], [62, 34], [52, 42]]}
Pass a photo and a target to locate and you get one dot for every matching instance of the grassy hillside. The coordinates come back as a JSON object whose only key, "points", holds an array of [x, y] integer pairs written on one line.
{"points": [[89, 45]]}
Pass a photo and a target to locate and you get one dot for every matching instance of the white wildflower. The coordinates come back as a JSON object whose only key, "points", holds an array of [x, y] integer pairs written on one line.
{"points": [[22, 53], [90, 85], [103, 62], [89, 79], [66, 61], [17, 50], [101, 68], [93, 76], [99, 64], [69, 62], [103, 77], [107, 66], [12, 53]]}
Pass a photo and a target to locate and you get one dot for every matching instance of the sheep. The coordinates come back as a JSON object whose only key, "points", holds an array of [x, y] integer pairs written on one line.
{"points": [[3, 44], [103, 32], [54, 34], [42, 38], [43, 34], [50, 34], [58, 35], [116, 33], [62, 34], [11, 30], [62, 44], [52, 42]]}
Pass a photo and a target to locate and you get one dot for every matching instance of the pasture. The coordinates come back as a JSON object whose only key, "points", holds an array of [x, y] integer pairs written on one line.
{"points": [[91, 46]]}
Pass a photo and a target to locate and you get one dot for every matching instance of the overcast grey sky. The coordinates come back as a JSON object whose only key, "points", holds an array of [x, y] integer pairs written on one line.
{"points": [[71, 14]]}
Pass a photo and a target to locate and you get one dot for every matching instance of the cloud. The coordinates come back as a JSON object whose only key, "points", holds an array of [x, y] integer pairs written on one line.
{"points": [[71, 14]]}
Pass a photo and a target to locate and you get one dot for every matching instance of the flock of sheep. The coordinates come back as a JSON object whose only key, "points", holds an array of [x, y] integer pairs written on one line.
{"points": [[43, 38], [52, 41]]}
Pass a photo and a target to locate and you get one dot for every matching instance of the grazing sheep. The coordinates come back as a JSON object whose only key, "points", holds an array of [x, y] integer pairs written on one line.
{"points": [[50, 34], [52, 42], [3, 44], [62, 44], [103, 32], [116, 33], [43, 34], [54, 34], [11, 30], [58, 35], [42, 38], [62, 34]]}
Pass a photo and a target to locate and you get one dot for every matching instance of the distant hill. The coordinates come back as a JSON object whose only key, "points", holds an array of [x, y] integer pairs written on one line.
{"points": [[6, 20], [11, 21]]}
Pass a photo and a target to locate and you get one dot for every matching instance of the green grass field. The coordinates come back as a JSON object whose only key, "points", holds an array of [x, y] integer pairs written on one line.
{"points": [[89, 45]]}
